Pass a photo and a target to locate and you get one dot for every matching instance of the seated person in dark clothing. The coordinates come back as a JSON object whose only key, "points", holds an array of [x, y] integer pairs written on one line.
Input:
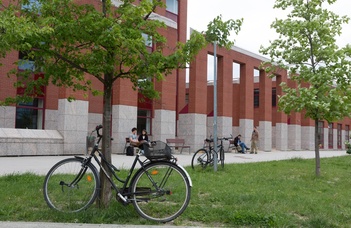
{"points": [[238, 142], [143, 137]]}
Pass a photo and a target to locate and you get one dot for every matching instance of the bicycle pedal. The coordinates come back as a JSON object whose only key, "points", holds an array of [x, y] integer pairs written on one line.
{"points": [[125, 201]]}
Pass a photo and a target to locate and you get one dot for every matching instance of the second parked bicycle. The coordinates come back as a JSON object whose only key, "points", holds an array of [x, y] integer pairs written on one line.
{"points": [[205, 156]]}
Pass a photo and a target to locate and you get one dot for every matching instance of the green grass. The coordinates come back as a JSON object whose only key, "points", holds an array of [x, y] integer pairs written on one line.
{"points": [[268, 194]]}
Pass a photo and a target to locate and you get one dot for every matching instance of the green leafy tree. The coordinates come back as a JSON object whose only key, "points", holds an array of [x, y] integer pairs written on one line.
{"points": [[68, 41], [307, 49]]}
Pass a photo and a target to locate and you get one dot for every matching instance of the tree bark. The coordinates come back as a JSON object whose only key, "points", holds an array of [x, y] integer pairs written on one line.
{"points": [[106, 192], [316, 148]]}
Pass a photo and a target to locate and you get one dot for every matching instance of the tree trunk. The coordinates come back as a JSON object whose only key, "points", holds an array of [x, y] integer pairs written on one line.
{"points": [[106, 192], [316, 148]]}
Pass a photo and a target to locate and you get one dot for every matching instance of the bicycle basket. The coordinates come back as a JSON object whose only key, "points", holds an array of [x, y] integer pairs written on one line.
{"points": [[157, 151], [90, 142]]}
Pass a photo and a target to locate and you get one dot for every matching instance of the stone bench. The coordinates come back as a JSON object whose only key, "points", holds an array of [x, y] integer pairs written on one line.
{"points": [[177, 143], [29, 142]]}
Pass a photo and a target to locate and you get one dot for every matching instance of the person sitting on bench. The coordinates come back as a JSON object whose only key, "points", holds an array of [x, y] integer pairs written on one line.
{"points": [[133, 137], [238, 142], [143, 138]]}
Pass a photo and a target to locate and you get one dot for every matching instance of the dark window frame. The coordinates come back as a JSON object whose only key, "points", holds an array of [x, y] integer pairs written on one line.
{"points": [[330, 135], [256, 98], [338, 136]]}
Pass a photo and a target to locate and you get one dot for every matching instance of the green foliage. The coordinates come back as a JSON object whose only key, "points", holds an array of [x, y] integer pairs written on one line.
{"points": [[67, 41], [307, 49], [219, 31], [264, 194]]}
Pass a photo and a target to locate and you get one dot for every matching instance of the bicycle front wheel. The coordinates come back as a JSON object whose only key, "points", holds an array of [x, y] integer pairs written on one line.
{"points": [[70, 186], [160, 191], [221, 156], [200, 160]]}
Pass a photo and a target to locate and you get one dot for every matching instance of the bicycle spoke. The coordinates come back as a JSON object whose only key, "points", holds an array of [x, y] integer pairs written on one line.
{"points": [[79, 193], [169, 192]]}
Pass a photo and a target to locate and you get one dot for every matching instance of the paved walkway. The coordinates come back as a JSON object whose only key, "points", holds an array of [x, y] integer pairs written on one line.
{"points": [[42, 164]]}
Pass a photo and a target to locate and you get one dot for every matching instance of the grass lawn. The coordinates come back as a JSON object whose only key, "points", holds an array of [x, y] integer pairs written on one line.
{"points": [[267, 194]]}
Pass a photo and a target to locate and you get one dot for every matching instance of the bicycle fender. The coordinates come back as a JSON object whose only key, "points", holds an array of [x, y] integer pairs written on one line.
{"points": [[187, 174]]}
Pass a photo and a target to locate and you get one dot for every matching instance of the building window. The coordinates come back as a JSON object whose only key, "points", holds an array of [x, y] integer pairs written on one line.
{"points": [[144, 121], [274, 97], [30, 115], [172, 6], [321, 133], [25, 62], [147, 40], [339, 129], [330, 136], [32, 6], [256, 98]]}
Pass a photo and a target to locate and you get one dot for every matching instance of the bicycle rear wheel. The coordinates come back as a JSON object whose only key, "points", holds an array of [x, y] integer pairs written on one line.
{"points": [[160, 191], [200, 160], [221, 156], [71, 187]]}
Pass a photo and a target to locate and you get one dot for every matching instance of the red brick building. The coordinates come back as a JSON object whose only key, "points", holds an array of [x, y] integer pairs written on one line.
{"points": [[185, 109]]}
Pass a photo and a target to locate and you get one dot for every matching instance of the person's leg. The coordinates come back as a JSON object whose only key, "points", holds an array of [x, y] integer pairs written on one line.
{"points": [[243, 147], [253, 147]]}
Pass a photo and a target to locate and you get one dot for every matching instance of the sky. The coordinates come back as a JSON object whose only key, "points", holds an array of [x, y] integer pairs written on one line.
{"points": [[258, 15]]}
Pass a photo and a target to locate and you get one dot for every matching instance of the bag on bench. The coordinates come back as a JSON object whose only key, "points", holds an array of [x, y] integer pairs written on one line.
{"points": [[239, 149], [130, 151]]}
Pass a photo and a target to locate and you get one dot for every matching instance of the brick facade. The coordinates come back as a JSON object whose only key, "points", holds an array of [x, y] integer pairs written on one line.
{"points": [[184, 110]]}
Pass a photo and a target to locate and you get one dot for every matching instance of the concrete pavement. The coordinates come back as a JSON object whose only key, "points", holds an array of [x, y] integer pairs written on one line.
{"points": [[42, 164]]}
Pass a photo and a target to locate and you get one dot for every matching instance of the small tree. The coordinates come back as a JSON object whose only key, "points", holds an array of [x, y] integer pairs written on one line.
{"points": [[307, 49], [68, 41]]}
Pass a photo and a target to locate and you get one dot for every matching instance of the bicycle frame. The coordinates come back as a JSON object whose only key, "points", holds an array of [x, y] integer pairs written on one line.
{"points": [[123, 192], [211, 148]]}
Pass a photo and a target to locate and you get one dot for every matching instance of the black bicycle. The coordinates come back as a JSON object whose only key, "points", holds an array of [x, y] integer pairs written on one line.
{"points": [[159, 190], [205, 156]]}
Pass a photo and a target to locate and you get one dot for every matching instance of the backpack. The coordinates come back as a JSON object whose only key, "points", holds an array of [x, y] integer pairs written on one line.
{"points": [[130, 151]]}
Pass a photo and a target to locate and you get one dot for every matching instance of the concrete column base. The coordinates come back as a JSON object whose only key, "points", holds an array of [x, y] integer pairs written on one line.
{"points": [[281, 136], [224, 128], [307, 139], [124, 118], [245, 129], [73, 125], [265, 136], [294, 132], [7, 117], [163, 125], [192, 127]]}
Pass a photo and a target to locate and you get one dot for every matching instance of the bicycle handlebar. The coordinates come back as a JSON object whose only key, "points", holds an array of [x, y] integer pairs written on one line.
{"points": [[219, 138], [97, 129]]}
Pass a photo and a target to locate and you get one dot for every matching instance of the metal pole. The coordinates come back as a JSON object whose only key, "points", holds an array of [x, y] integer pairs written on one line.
{"points": [[215, 159]]}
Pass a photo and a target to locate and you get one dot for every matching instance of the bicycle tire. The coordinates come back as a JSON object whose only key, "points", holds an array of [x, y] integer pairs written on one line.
{"points": [[221, 156], [160, 191], [60, 195], [200, 159]]}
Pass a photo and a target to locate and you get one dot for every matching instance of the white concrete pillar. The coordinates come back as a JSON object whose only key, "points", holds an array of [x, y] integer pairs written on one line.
{"points": [[294, 139], [265, 136], [73, 125], [192, 127], [281, 136]]}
